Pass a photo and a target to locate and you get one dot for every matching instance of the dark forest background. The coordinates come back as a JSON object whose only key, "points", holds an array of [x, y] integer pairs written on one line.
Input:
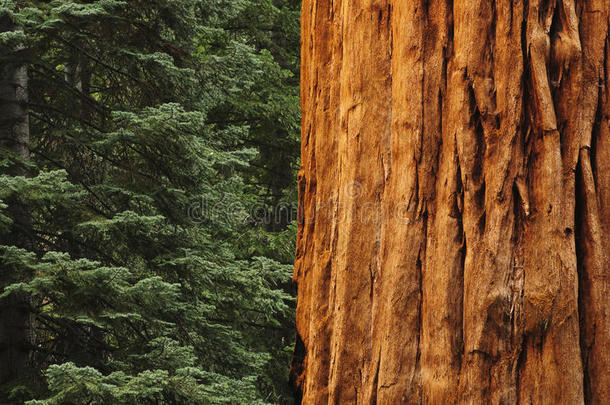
{"points": [[148, 157]]}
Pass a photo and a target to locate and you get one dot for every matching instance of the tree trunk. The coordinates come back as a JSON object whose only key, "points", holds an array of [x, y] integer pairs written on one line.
{"points": [[15, 320], [454, 241]]}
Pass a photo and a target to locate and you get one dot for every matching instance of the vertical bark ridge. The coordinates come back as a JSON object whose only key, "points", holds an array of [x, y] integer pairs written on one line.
{"points": [[398, 284], [363, 134], [441, 326], [550, 297], [592, 205], [313, 272], [472, 116]]}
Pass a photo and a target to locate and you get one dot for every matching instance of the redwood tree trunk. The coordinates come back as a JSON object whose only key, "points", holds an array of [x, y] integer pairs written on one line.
{"points": [[454, 244]]}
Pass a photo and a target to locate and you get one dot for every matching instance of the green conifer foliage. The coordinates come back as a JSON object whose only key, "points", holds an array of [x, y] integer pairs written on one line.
{"points": [[155, 127]]}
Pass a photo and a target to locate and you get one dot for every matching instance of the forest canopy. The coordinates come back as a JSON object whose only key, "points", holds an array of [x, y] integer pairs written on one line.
{"points": [[145, 147]]}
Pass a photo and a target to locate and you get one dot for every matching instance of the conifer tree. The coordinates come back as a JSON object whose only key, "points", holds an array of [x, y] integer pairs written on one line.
{"points": [[148, 278], [14, 137]]}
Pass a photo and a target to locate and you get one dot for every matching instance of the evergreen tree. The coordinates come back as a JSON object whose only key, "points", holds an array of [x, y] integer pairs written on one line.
{"points": [[147, 276], [14, 138]]}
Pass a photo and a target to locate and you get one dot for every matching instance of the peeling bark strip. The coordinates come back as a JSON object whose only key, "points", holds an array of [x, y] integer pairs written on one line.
{"points": [[454, 241]]}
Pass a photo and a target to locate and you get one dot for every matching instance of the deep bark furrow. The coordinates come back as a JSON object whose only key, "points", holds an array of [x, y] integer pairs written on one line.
{"points": [[592, 205]]}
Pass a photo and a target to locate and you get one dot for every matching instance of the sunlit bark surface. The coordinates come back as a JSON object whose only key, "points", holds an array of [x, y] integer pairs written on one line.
{"points": [[454, 242]]}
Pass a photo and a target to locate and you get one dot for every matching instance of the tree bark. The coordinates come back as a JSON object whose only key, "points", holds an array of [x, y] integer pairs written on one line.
{"points": [[15, 317], [455, 202]]}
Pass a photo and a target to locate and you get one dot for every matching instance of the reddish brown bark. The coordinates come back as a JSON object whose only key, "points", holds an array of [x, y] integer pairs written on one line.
{"points": [[455, 191]]}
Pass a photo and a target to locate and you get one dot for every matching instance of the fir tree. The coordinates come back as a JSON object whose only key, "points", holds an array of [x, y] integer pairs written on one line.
{"points": [[146, 275]]}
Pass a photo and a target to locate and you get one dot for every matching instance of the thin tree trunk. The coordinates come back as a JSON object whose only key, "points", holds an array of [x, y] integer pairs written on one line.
{"points": [[454, 242], [15, 318]]}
